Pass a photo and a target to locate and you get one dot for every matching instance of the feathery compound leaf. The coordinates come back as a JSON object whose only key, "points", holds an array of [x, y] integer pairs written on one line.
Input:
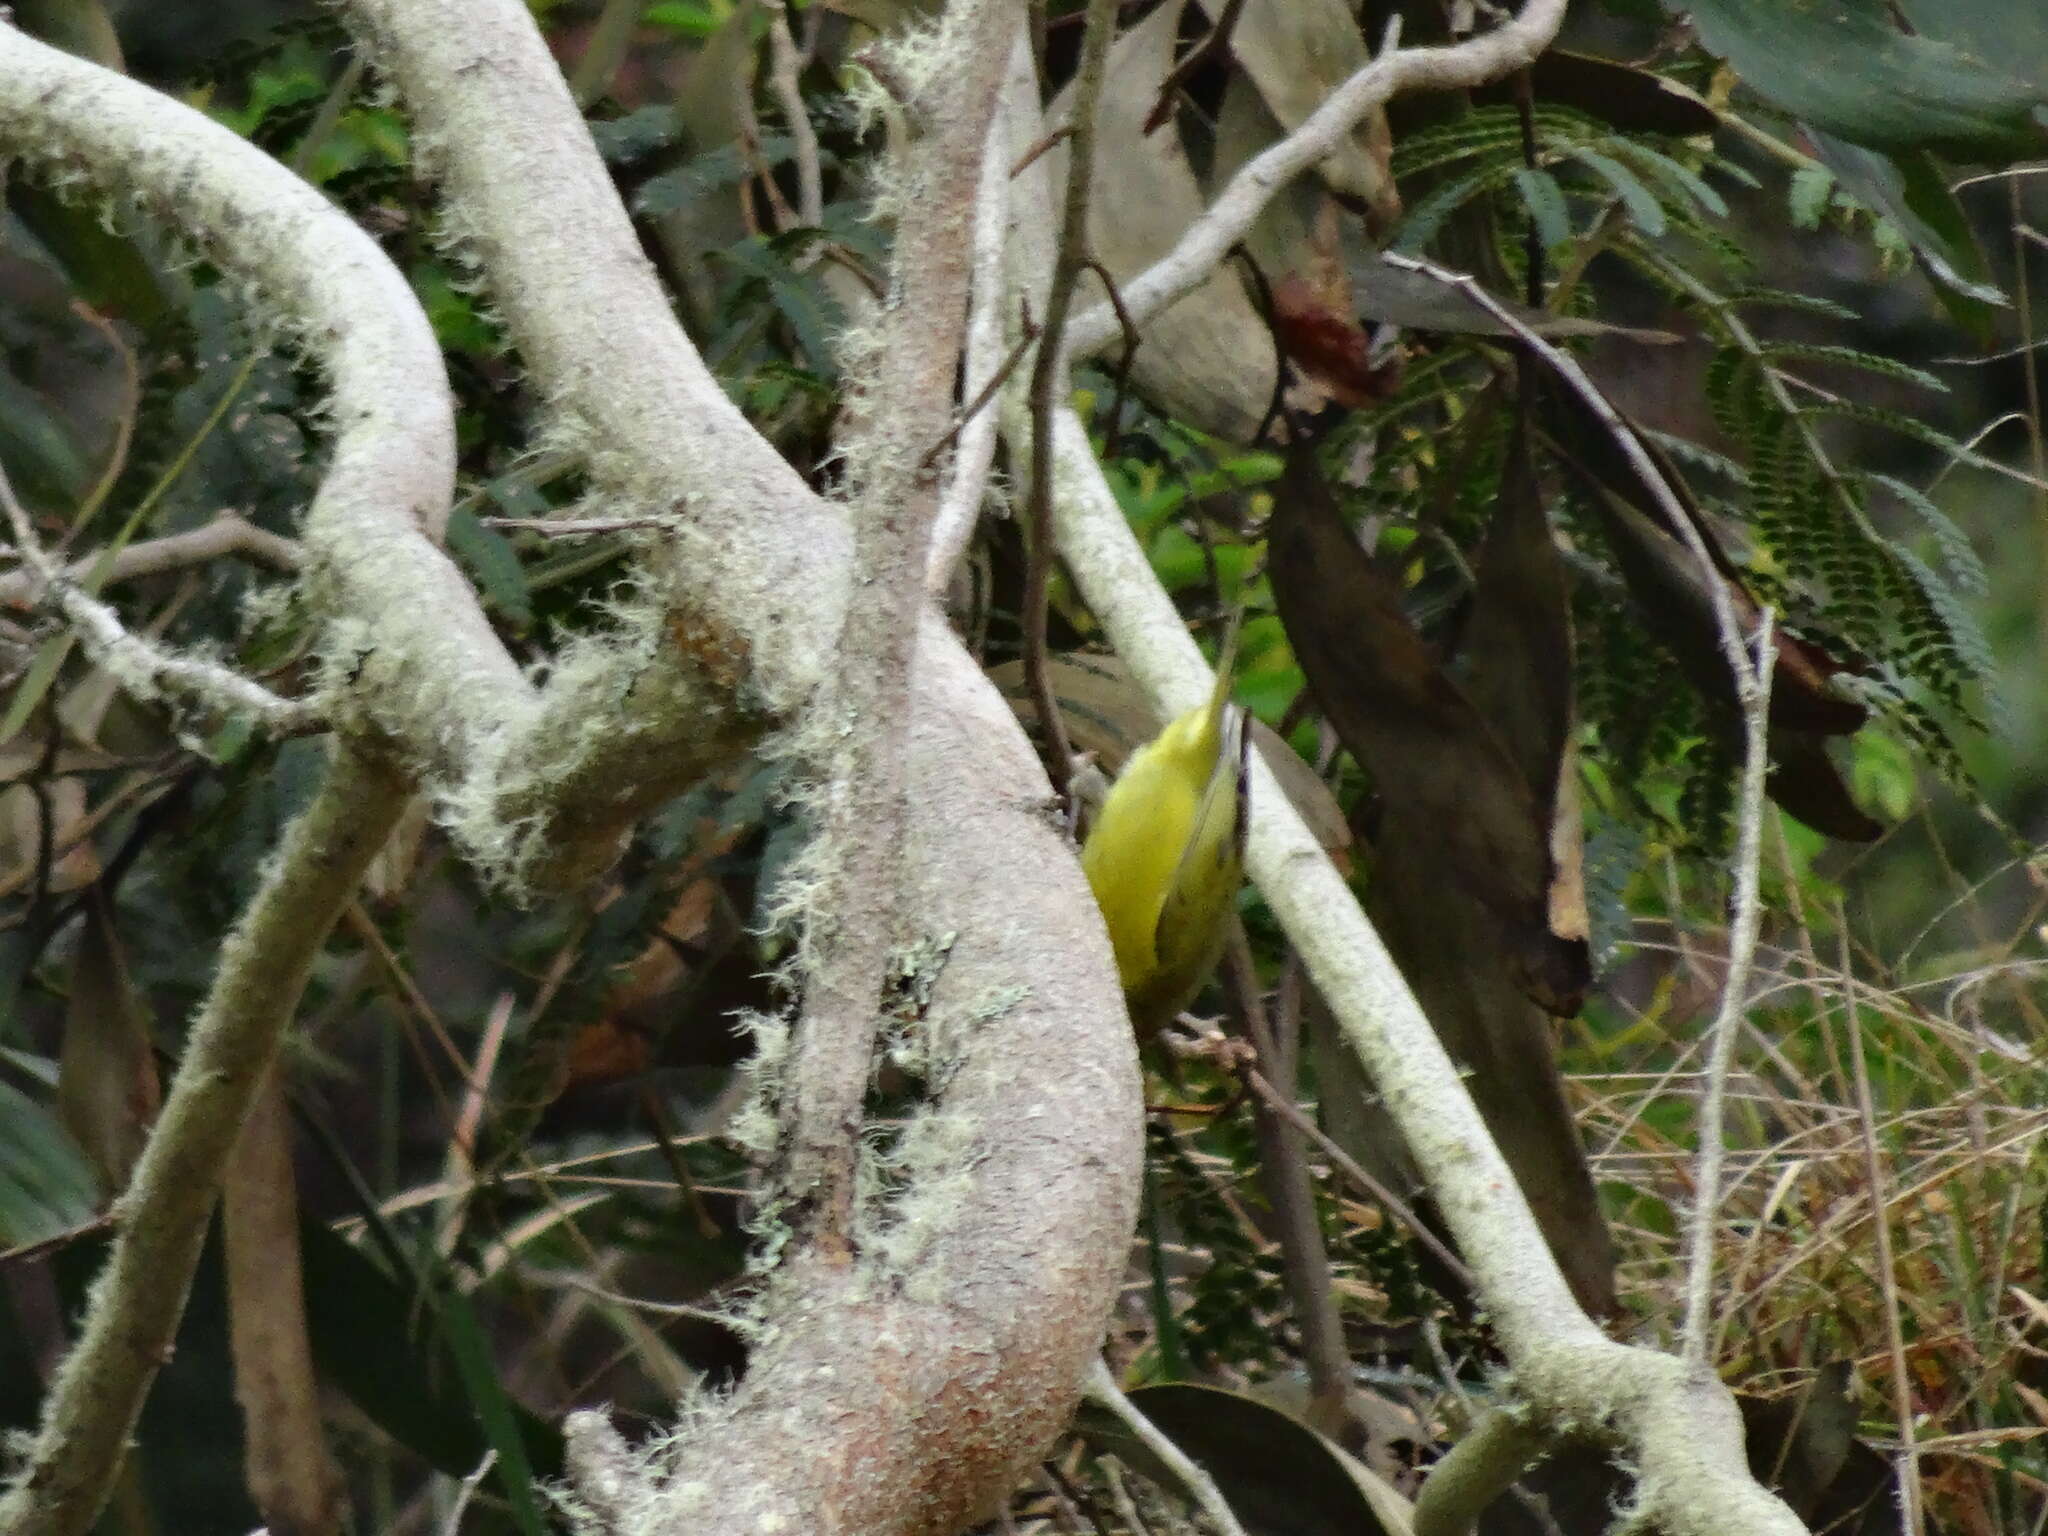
{"points": [[813, 314], [1696, 455], [1780, 298], [1807, 198], [1852, 357], [1641, 203], [1680, 180], [726, 166], [1488, 131], [1427, 217], [1965, 567], [1906, 426]]}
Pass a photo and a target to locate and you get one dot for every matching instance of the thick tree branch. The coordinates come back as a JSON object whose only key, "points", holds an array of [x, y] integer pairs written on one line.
{"points": [[908, 1394], [854, 915], [539, 784], [864, 1409], [429, 670], [745, 594], [161, 1218], [1475, 62]]}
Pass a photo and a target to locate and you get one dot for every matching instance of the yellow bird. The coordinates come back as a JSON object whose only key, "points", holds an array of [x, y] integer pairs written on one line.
{"points": [[1166, 853]]}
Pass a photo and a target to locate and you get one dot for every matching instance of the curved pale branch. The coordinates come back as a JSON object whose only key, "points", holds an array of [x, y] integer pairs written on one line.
{"points": [[1460, 66], [1681, 1425], [539, 784], [328, 287], [757, 562], [161, 1218]]}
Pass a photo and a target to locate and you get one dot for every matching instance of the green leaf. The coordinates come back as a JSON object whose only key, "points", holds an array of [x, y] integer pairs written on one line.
{"points": [[622, 140], [726, 166], [1806, 303], [1812, 187], [1910, 191], [1641, 203], [46, 1184], [1428, 216], [106, 269], [1851, 357], [1681, 180], [1544, 199], [768, 266], [489, 557], [1970, 84], [472, 1353], [686, 17], [1965, 567]]}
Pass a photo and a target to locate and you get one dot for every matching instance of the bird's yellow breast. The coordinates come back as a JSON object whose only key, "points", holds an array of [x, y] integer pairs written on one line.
{"points": [[1163, 859]]}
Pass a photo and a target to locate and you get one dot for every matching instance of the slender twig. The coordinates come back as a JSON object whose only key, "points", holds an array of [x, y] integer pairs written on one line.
{"points": [[227, 534], [1071, 1502], [1048, 376], [140, 665], [2030, 376], [579, 527], [458, 1511], [1284, 1175], [1215, 42], [1103, 1391], [666, 1137], [784, 65], [1276, 402], [1120, 1498], [1373, 1189], [1124, 359], [1912, 1503], [1025, 161], [740, 90], [124, 420], [607, 43], [25, 1252], [1202, 247], [1026, 336], [1754, 689], [1532, 233]]}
